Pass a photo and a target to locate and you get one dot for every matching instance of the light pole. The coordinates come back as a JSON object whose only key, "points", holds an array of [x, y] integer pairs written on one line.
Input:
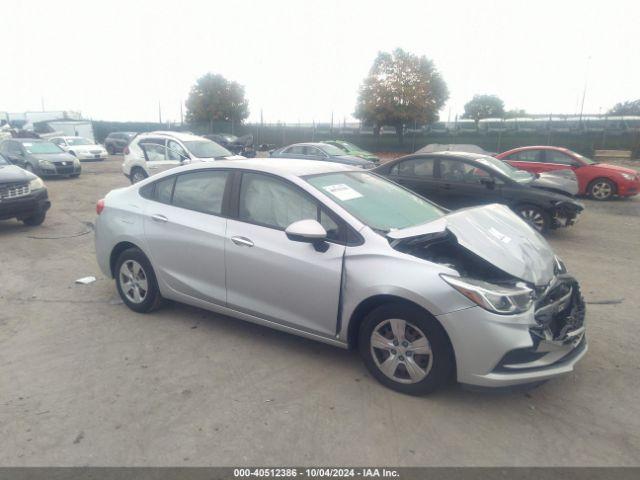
{"points": [[584, 92]]}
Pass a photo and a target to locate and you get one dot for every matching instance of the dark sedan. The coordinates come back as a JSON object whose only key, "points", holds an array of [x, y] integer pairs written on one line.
{"points": [[321, 151], [40, 157], [22, 195], [456, 180]]}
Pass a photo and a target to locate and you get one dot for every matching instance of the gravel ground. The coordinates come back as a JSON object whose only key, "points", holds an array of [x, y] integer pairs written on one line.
{"points": [[84, 381]]}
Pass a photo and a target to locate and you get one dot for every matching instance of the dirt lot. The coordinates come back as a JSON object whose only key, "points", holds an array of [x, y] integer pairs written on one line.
{"points": [[84, 381]]}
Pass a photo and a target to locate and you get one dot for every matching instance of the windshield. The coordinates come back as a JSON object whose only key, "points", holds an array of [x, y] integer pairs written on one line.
{"points": [[79, 141], [376, 202], [206, 149], [3, 161], [584, 159], [41, 147], [332, 150], [507, 170]]}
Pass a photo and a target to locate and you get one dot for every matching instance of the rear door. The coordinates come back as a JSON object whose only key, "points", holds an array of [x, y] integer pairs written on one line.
{"points": [[272, 277], [417, 174], [464, 184], [157, 156], [530, 160], [185, 232]]}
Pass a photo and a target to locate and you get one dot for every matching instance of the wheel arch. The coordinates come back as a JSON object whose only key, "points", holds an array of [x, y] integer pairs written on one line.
{"points": [[610, 180], [369, 304], [117, 250]]}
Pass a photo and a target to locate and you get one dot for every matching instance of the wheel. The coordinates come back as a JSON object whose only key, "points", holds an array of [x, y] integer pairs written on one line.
{"points": [[406, 349], [535, 216], [75, 175], [137, 175], [111, 150], [136, 281], [601, 189], [35, 220]]}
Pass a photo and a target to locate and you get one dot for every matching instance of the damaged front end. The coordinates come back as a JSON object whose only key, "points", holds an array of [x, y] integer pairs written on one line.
{"points": [[506, 269]]}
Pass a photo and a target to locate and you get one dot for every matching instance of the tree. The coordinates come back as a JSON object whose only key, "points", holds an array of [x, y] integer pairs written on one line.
{"points": [[630, 107], [515, 113], [483, 106], [401, 88], [214, 98]]}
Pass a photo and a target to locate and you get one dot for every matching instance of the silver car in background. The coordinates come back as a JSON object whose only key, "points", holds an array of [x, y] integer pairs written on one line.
{"points": [[341, 255]]}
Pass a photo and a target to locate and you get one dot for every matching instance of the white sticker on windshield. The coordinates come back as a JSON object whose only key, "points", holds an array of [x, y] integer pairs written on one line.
{"points": [[342, 191]]}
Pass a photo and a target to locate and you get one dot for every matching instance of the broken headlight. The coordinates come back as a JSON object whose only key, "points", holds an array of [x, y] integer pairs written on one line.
{"points": [[495, 298]]}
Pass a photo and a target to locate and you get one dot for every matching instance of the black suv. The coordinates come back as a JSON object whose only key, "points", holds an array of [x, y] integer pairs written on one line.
{"points": [[22, 195], [116, 141]]}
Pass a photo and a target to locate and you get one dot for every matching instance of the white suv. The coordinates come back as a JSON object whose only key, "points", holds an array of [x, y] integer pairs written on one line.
{"points": [[154, 152]]}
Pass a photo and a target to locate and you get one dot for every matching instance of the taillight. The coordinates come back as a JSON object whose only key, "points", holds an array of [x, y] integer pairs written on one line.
{"points": [[100, 206], [126, 150]]}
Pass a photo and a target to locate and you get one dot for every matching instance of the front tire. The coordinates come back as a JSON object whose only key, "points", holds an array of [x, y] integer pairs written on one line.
{"points": [[535, 216], [111, 150], [601, 189], [136, 281], [406, 349], [35, 220]]}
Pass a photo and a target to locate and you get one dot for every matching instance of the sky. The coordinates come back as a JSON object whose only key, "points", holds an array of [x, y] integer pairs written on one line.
{"points": [[302, 61]]}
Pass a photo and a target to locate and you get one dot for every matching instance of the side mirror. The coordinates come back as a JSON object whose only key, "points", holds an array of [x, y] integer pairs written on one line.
{"points": [[309, 231]]}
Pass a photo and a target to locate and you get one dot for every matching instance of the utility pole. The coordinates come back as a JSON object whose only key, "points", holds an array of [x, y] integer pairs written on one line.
{"points": [[159, 113], [42, 103], [584, 92], [181, 116]]}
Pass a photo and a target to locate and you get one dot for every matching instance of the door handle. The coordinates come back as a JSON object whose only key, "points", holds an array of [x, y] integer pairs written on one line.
{"points": [[242, 241], [159, 218]]}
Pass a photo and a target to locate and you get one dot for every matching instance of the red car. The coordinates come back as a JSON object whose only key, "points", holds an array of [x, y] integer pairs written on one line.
{"points": [[598, 180]]}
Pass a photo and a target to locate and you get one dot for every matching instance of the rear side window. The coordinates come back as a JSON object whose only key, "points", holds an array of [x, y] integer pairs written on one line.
{"points": [[200, 191], [164, 190], [417, 167], [527, 156]]}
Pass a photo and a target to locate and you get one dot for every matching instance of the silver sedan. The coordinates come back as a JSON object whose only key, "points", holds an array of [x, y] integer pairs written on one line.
{"points": [[344, 256]]}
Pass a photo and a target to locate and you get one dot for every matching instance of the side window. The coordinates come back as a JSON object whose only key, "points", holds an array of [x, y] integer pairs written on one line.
{"points": [[164, 190], [313, 151], [200, 191], [295, 150], [175, 151], [457, 171], [417, 167], [154, 149], [273, 203], [527, 156], [553, 156]]}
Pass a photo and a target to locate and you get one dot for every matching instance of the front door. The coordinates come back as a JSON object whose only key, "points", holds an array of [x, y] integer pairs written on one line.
{"points": [[273, 277], [417, 174], [185, 233]]}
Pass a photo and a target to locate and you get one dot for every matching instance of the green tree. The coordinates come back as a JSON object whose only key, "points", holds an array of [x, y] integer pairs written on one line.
{"points": [[515, 113], [630, 107], [483, 106], [214, 98], [401, 89]]}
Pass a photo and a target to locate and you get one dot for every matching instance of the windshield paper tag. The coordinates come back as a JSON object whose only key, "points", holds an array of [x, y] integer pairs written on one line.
{"points": [[342, 191]]}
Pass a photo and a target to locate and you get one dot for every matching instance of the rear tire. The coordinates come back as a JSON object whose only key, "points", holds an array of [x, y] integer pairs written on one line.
{"points": [[136, 281], [111, 150], [406, 349], [535, 216], [137, 175], [35, 220], [601, 189]]}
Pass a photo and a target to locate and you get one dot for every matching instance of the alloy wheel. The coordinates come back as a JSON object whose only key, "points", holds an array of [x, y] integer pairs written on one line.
{"points": [[133, 281], [401, 351], [601, 190], [138, 176], [534, 217]]}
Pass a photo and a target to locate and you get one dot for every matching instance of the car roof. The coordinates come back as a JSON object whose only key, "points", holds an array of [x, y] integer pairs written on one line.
{"points": [[29, 140], [279, 166], [309, 144], [185, 137], [539, 147]]}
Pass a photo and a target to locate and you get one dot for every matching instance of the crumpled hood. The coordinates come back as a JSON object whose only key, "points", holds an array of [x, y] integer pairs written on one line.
{"points": [[499, 236], [54, 157], [559, 180], [14, 174]]}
